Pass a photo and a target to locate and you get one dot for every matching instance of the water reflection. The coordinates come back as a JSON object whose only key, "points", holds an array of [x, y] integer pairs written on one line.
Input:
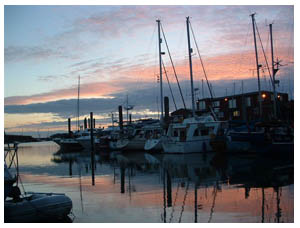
{"points": [[144, 187]]}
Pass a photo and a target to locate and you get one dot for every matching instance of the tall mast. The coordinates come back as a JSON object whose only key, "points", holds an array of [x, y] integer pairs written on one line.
{"points": [[78, 103], [273, 74], [257, 66], [190, 61], [160, 71]]}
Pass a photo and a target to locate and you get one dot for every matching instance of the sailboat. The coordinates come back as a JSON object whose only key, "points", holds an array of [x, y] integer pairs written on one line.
{"points": [[192, 134], [273, 137], [70, 144]]}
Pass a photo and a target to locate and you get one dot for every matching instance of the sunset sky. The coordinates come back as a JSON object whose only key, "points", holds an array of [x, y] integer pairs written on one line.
{"points": [[114, 49]]}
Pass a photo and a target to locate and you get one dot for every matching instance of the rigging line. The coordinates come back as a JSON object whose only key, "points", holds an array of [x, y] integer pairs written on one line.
{"points": [[245, 45], [264, 53], [169, 85], [173, 66], [210, 89]]}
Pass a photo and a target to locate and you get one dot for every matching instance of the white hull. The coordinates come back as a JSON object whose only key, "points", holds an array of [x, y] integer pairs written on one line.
{"points": [[119, 144], [153, 144], [196, 146]]}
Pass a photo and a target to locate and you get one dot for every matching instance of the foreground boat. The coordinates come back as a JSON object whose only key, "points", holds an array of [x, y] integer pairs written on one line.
{"points": [[37, 207], [32, 207]]}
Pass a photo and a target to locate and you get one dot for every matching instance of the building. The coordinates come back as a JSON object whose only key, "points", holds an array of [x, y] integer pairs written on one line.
{"points": [[246, 106]]}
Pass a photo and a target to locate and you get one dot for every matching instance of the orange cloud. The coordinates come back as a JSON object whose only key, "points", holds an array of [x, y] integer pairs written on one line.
{"points": [[231, 66]]}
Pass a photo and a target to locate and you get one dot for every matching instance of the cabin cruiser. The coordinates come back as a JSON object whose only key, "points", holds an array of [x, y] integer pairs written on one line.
{"points": [[191, 135], [136, 135]]}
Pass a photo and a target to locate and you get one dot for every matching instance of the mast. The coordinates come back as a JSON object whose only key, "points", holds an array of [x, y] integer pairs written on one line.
{"points": [[257, 66], [190, 61], [273, 74], [160, 70], [78, 128], [127, 108]]}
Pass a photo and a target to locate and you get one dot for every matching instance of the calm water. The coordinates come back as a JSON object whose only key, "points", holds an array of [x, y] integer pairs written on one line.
{"points": [[144, 187]]}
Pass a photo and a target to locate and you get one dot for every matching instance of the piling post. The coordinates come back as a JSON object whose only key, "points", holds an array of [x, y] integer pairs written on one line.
{"points": [[169, 189], [85, 123], [92, 151], [122, 169], [69, 126], [121, 119], [70, 168]]}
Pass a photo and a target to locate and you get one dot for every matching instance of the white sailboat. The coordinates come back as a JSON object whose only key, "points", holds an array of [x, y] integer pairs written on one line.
{"points": [[193, 134]]}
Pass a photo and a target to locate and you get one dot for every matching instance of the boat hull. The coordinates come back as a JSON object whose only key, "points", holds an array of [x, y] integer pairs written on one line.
{"points": [[37, 207], [70, 146], [195, 146], [153, 144]]}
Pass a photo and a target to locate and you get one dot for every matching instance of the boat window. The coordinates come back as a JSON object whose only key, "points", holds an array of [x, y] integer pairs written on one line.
{"points": [[182, 133], [196, 132], [85, 134], [175, 133], [216, 103], [202, 105], [204, 132]]}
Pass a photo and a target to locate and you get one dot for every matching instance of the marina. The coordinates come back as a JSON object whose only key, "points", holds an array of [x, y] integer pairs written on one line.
{"points": [[124, 148]]}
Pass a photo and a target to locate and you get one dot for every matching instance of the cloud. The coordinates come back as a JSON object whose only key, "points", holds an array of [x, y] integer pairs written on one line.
{"points": [[36, 53]]}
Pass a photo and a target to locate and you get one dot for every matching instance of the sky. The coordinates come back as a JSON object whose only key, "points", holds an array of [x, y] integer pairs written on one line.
{"points": [[114, 50]]}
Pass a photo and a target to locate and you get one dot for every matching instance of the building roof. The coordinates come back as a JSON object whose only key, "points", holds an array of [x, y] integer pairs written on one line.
{"points": [[239, 95]]}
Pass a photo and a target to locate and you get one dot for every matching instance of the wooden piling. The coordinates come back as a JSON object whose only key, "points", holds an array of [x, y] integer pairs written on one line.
{"points": [[69, 126], [121, 119], [92, 151]]}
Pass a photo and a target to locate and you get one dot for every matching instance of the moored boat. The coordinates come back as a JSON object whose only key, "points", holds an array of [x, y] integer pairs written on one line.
{"points": [[30, 206]]}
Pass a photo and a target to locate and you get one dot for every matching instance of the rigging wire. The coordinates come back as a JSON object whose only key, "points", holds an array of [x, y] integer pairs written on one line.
{"points": [[173, 66], [208, 85], [245, 45], [264, 53], [169, 85]]}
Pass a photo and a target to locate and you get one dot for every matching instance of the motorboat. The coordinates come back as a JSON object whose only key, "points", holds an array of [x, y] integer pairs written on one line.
{"points": [[191, 135], [37, 207]]}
